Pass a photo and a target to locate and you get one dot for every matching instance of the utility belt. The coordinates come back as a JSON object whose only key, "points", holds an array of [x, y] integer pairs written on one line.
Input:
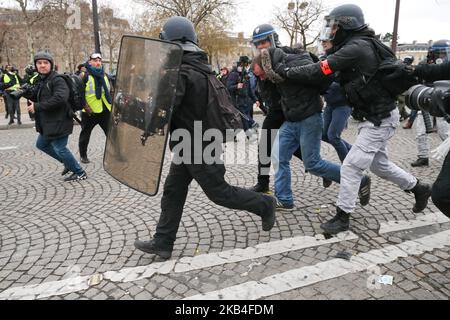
{"points": [[377, 120]]}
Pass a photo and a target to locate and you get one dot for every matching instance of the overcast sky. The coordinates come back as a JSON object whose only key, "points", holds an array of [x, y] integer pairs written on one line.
{"points": [[420, 20]]}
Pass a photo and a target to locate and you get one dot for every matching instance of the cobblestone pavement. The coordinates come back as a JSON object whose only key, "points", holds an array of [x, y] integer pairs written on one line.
{"points": [[75, 241]]}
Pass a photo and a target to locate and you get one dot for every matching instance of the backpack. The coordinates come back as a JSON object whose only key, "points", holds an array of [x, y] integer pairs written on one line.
{"points": [[221, 113], [77, 89], [392, 73]]}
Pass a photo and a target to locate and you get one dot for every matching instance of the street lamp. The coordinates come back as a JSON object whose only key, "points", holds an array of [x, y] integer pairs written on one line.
{"points": [[96, 26], [395, 34], [293, 9]]}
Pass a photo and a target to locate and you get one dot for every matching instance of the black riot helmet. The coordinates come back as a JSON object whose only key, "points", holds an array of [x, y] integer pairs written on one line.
{"points": [[265, 32], [439, 52], [182, 31], [348, 17]]}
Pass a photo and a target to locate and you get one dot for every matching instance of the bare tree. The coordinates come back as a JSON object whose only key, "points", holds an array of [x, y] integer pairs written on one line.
{"points": [[67, 41], [112, 31], [210, 18], [197, 11], [30, 20], [299, 19], [215, 41], [4, 29]]}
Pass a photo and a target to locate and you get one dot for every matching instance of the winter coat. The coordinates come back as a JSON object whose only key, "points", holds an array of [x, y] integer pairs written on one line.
{"points": [[298, 101], [356, 61], [244, 96], [52, 109]]}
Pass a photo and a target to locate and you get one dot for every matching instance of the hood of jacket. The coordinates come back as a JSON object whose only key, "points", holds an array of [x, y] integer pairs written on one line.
{"points": [[198, 60]]}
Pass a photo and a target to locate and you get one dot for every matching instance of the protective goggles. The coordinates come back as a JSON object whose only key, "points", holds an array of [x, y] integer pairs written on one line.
{"points": [[95, 56]]}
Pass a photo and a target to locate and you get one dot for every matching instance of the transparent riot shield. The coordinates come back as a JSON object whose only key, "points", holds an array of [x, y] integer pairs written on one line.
{"points": [[144, 95]]}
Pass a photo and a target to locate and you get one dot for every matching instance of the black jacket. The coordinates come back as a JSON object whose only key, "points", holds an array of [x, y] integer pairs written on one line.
{"points": [[433, 72], [334, 96], [244, 96], [53, 113], [357, 62], [267, 91], [192, 93], [299, 101]]}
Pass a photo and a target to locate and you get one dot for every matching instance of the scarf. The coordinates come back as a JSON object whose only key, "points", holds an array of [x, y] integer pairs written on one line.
{"points": [[99, 78]]}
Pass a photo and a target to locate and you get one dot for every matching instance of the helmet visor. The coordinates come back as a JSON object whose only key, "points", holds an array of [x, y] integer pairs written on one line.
{"points": [[329, 29], [441, 55], [265, 41]]}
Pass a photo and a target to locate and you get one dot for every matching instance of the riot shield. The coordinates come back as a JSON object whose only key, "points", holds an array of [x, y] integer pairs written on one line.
{"points": [[144, 95]]}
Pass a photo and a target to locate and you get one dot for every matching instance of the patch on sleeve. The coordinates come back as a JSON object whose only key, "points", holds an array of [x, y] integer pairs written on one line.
{"points": [[325, 68]]}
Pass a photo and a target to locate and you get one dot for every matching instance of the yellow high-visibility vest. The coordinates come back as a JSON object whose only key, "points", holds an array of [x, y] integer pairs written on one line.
{"points": [[96, 104], [7, 79], [33, 78]]}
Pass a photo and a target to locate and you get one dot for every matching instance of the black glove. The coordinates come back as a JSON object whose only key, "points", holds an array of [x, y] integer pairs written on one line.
{"points": [[277, 55], [282, 70]]}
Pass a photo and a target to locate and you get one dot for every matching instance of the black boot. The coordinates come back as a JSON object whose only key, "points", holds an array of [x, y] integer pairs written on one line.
{"points": [[85, 160], [269, 219], [65, 171], [152, 248], [422, 193], [327, 183], [340, 223], [260, 187], [421, 162]]}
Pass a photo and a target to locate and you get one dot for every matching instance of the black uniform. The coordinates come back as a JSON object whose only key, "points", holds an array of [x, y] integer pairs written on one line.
{"points": [[190, 106], [441, 188], [357, 62]]}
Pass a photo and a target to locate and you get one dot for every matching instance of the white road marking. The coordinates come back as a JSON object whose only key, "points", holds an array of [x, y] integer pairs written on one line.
{"points": [[46, 290], [7, 148], [332, 269], [188, 264], [423, 221]]}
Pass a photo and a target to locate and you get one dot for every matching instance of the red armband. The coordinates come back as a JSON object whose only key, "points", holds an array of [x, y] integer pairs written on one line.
{"points": [[325, 68]]}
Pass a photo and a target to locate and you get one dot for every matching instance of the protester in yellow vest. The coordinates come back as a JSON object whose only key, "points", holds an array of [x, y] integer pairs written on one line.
{"points": [[10, 82], [98, 98]]}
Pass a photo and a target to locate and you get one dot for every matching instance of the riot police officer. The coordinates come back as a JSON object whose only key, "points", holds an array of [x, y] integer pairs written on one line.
{"points": [[190, 106], [441, 188], [437, 54], [264, 37], [355, 57]]}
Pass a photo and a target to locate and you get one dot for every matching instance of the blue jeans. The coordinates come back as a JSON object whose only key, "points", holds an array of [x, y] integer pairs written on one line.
{"points": [[335, 121], [247, 111], [307, 135], [57, 149]]}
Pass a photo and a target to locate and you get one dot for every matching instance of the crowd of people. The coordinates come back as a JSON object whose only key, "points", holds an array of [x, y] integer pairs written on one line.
{"points": [[290, 85], [48, 104]]}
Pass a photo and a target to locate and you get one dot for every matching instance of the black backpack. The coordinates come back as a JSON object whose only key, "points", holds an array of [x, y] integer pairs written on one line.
{"points": [[391, 73], [77, 89], [221, 113]]}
